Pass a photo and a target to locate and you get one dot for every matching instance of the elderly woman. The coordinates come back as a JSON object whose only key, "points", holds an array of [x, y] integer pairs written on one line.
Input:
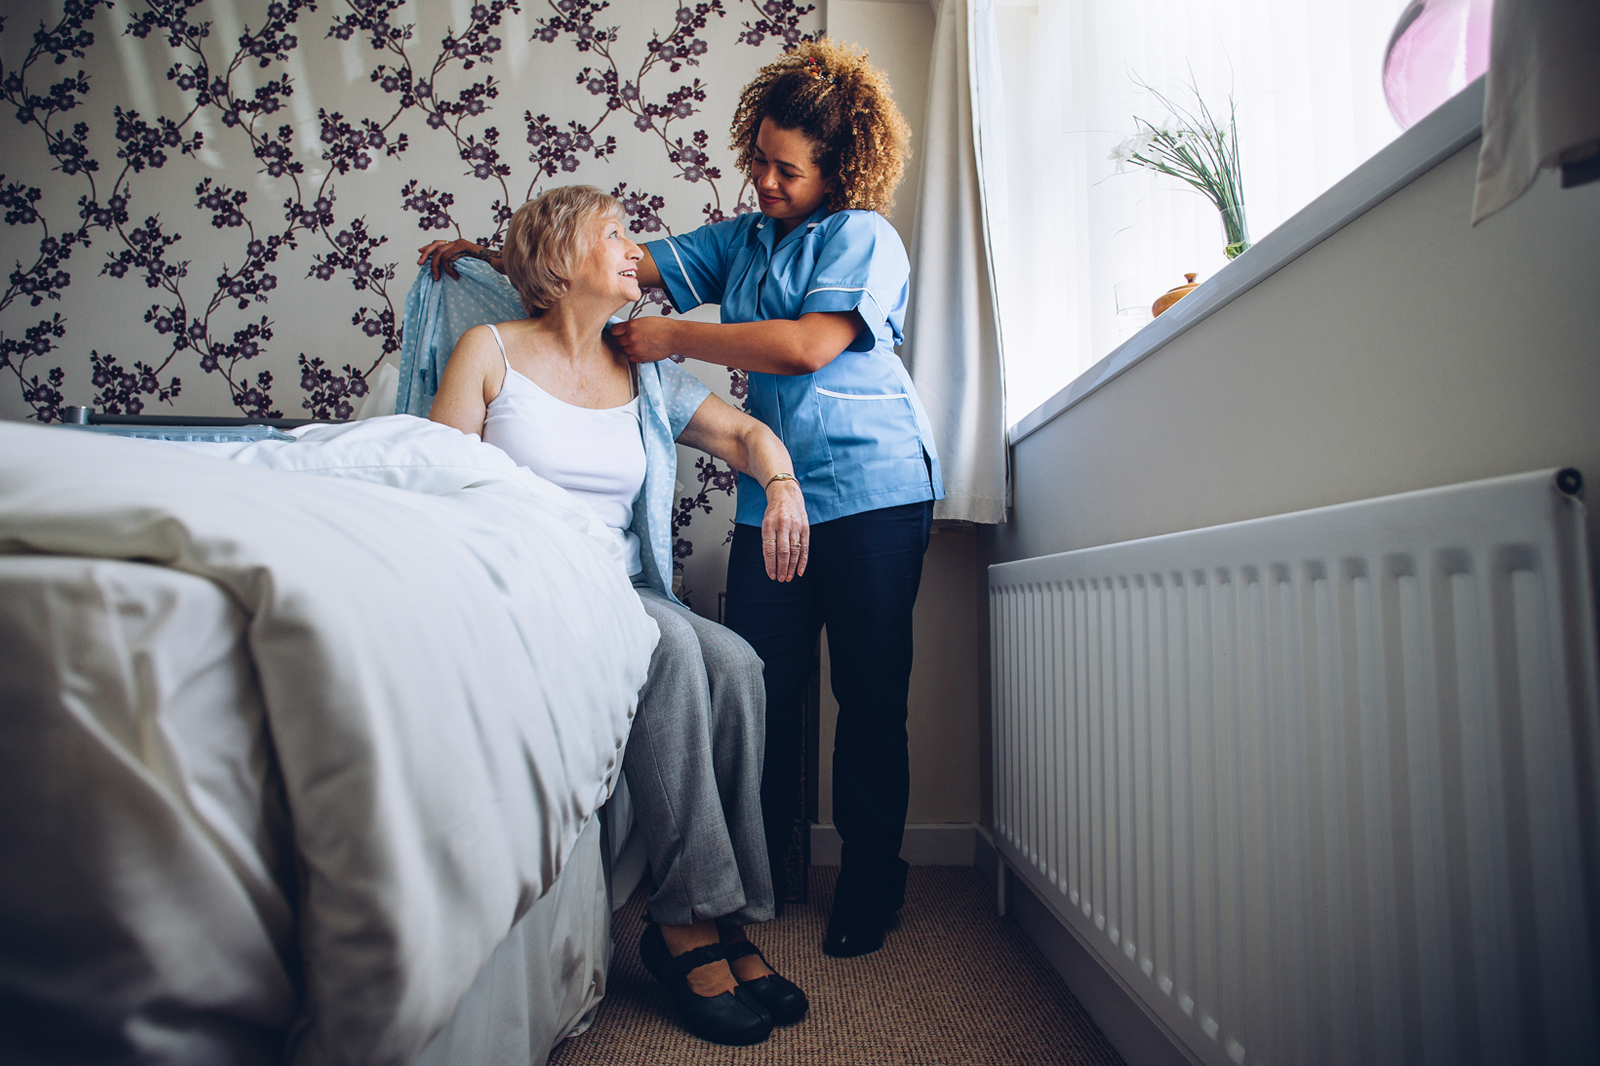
{"points": [[553, 393]]}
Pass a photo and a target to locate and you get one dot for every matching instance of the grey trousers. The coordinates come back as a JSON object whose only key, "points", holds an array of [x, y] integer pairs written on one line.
{"points": [[694, 769]]}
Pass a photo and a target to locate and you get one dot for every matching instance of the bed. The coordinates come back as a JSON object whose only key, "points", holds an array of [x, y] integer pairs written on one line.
{"points": [[303, 749]]}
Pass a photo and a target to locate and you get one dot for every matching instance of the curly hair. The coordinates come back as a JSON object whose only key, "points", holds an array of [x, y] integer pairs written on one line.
{"points": [[547, 240], [829, 92]]}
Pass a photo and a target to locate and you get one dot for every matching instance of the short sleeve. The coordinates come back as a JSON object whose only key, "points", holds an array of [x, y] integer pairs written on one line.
{"points": [[694, 265], [681, 395], [862, 267]]}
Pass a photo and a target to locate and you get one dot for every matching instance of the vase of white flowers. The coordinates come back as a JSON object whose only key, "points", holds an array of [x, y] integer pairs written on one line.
{"points": [[1195, 148]]}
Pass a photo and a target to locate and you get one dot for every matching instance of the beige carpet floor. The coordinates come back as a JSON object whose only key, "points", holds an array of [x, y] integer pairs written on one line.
{"points": [[954, 984]]}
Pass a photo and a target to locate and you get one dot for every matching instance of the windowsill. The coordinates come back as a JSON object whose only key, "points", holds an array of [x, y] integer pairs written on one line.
{"points": [[1416, 151]]}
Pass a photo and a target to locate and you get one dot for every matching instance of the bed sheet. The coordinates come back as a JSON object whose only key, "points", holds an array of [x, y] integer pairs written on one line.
{"points": [[546, 978], [447, 654], [145, 842]]}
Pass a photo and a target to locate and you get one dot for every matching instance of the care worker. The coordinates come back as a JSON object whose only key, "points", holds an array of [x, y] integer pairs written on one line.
{"points": [[813, 295]]}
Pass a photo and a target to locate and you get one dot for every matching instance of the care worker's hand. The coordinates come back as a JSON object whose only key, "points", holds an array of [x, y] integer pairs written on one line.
{"points": [[785, 531], [647, 340], [444, 254]]}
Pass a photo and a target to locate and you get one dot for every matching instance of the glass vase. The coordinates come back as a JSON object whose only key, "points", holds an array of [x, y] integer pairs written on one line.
{"points": [[1236, 229], [1437, 47]]}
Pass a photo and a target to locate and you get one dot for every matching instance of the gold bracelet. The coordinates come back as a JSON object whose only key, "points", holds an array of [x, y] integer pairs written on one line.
{"points": [[781, 477]]}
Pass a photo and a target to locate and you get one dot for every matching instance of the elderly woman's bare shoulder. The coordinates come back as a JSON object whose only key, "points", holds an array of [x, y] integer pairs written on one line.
{"points": [[480, 342], [476, 357]]}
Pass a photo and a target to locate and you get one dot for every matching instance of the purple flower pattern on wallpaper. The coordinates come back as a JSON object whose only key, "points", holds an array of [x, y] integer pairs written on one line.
{"points": [[264, 227]]}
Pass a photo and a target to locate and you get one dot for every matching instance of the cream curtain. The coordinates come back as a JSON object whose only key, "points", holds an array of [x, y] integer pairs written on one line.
{"points": [[953, 338], [1541, 106]]}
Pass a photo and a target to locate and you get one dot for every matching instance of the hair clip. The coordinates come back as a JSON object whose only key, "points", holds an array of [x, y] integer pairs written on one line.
{"points": [[814, 65]]}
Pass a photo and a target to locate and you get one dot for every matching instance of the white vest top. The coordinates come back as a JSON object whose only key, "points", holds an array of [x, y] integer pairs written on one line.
{"points": [[597, 455]]}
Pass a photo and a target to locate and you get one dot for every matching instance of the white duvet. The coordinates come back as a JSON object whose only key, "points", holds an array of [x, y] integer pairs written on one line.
{"points": [[448, 653]]}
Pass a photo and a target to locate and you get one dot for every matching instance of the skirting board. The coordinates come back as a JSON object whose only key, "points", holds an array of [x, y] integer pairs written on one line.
{"points": [[926, 844], [1137, 1035]]}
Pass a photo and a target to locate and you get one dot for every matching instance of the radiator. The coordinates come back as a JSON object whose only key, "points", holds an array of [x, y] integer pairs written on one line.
{"points": [[1321, 787]]}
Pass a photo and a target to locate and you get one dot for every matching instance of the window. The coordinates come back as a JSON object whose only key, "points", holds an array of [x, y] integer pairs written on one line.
{"points": [[1080, 238]]}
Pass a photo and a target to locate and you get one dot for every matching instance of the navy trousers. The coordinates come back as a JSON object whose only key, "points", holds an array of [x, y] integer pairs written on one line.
{"points": [[861, 583]]}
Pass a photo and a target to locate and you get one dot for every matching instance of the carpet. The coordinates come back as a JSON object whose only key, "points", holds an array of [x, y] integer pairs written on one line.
{"points": [[954, 984]]}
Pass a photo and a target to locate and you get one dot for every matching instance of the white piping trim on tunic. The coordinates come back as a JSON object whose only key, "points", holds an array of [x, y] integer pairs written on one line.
{"points": [[684, 271], [862, 395], [841, 288]]}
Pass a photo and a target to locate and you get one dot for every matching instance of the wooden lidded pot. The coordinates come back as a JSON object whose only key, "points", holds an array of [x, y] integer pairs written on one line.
{"points": [[1172, 296]]}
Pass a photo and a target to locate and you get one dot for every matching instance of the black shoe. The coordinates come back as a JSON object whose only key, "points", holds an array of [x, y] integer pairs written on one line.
{"points": [[850, 935], [780, 996], [735, 1018]]}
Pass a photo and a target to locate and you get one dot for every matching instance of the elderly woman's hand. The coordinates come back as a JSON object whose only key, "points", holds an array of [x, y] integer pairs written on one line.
{"points": [[750, 447], [785, 531]]}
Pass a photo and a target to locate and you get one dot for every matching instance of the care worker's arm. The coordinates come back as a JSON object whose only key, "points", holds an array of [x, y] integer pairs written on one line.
{"points": [[776, 346], [474, 368], [751, 448], [441, 256]]}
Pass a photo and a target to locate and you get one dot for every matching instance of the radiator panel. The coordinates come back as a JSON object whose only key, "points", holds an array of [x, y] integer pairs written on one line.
{"points": [[1319, 787]]}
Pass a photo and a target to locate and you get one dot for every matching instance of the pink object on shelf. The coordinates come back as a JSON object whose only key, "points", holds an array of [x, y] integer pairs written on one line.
{"points": [[1437, 48]]}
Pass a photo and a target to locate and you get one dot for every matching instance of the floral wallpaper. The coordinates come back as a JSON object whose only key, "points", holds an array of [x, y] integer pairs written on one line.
{"points": [[213, 207]]}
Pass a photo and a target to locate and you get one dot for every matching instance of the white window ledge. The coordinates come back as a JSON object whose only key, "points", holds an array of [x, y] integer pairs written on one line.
{"points": [[1440, 135]]}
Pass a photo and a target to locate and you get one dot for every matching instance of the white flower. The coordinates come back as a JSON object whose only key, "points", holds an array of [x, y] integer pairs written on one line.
{"points": [[1122, 154], [1129, 149]]}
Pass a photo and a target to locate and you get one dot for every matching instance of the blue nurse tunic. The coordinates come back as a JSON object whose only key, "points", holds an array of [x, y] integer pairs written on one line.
{"points": [[856, 430]]}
